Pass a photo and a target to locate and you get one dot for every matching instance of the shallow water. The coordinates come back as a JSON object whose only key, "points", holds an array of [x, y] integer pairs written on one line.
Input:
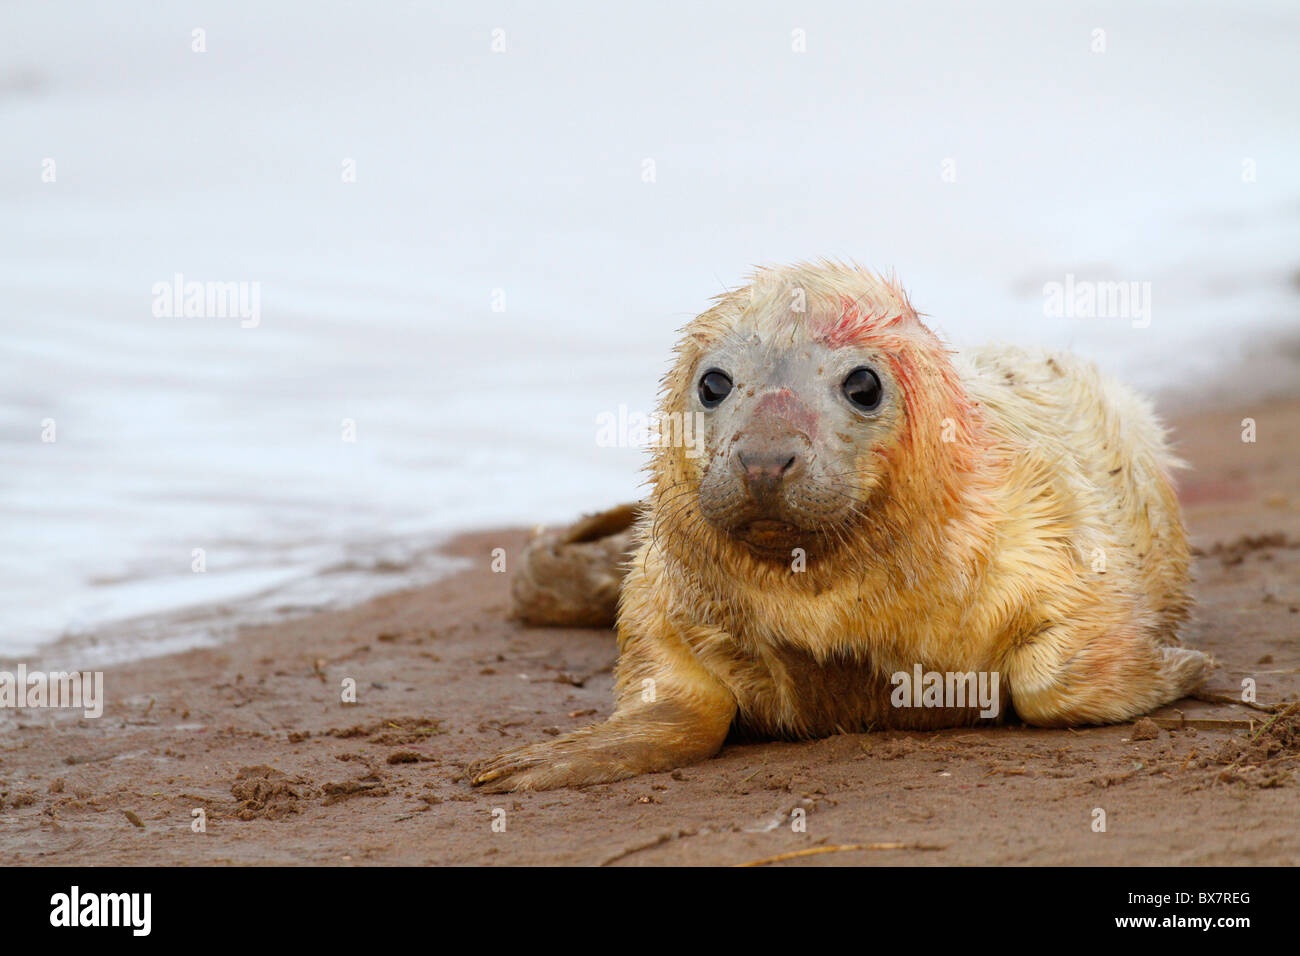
{"points": [[500, 272]]}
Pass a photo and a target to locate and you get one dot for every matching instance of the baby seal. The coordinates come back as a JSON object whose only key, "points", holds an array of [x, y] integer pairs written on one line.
{"points": [[871, 505]]}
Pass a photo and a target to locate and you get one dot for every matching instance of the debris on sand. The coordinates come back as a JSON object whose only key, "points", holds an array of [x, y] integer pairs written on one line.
{"points": [[263, 791], [1235, 552], [1266, 758], [392, 731], [368, 786], [1145, 729]]}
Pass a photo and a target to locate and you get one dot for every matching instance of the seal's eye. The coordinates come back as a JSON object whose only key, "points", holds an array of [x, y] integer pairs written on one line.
{"points": [[714, 387], [862, 388]]}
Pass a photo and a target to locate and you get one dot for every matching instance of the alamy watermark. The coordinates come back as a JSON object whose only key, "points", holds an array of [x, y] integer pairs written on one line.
{"points": [[179, 299], [1084, 299], [78, 689], [631, 429], [947, 689], [130, 910]]}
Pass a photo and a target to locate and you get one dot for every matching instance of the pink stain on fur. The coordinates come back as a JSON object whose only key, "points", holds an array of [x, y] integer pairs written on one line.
{"points": [[930, 390], [785, 405], [854, 326]]}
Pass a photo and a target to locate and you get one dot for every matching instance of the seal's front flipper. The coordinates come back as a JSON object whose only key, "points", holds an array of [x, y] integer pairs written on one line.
{"points": [[571, 577], [643, 739]]}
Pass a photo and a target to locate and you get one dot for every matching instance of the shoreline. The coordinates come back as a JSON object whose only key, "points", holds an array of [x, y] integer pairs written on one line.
{"points": [[252, 734], [1273, 377], [216, 622]]}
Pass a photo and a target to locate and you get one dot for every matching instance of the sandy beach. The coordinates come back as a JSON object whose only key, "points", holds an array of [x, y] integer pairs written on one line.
{"points": [[255, 736]]}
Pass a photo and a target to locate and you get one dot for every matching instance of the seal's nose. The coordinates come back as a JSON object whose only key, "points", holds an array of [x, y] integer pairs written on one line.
{"points": [[764, 471], [771, 446], [766, 466]]}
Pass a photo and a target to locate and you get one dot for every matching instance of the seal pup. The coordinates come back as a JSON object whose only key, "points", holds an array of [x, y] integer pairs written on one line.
{"points": [[869, 504]]}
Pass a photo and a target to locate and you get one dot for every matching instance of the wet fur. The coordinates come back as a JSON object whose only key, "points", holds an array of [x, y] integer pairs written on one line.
{"points": [[967, 540]]}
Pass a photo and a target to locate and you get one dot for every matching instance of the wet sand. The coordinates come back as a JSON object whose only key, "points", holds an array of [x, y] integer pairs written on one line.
{"points": [[254, 735]]}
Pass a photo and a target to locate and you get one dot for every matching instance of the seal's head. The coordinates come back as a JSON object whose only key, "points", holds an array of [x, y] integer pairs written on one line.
{"points": [[818, 389]]}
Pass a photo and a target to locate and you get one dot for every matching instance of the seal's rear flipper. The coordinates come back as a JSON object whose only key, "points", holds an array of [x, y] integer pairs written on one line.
{"points": [[1067, 677], [570, 577]]}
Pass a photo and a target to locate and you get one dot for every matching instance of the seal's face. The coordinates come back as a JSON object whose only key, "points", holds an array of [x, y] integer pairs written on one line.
{"points": [[795, 431]]}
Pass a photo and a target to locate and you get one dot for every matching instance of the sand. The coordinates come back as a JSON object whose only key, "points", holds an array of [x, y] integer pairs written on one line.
{"points": [[254, 734]]}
